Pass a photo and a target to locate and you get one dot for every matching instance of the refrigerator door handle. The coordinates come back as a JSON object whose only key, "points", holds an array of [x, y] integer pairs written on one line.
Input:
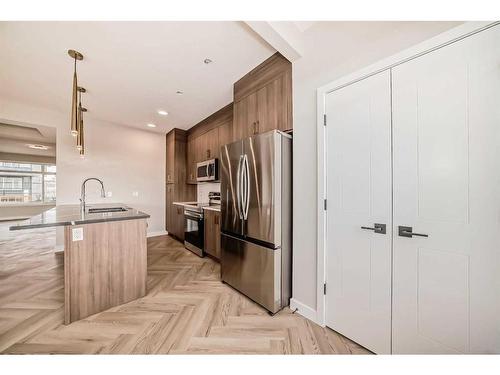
{"points": [[238, 188], [247, 187], [243, 187]]}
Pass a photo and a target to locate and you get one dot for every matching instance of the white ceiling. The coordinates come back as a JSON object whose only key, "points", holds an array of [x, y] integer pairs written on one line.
{"points": [[130, 69], [15, 139]]}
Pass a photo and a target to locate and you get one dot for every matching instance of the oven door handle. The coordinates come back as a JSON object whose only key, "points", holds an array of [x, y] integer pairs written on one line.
{"points": [[191, 216]]}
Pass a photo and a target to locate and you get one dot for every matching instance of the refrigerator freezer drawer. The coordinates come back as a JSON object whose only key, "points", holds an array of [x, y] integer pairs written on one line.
{"points": [[253, 270]]}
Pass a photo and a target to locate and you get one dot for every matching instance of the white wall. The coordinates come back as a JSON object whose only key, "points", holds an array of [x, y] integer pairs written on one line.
{"points": [[126, 159], [332, 50], [203, 188]]}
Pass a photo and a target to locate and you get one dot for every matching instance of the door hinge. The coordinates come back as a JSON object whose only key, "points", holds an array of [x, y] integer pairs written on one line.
{"points": [[324, 204], [324, 289], [324, 120]]}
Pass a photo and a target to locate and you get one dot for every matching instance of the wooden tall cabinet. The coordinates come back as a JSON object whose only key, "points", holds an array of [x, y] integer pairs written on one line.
{"points": [[263, 99], [170, 164], [177, 190]]}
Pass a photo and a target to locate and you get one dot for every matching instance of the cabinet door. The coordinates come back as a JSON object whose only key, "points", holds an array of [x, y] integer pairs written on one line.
{"points": [[245, 117], [209, 232], [170, 157], [217, 234], [191, 161], [212, 137], [201, 147], [271, 104], [225, 134], [169, 208], [179, 222], [175, 227]]}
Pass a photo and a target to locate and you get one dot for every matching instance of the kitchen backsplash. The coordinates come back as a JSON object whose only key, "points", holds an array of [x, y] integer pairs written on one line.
{"points": [[203, 188]]}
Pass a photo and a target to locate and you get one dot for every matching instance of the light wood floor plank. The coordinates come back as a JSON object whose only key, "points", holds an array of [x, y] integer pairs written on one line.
{"points": [[187, 309]]}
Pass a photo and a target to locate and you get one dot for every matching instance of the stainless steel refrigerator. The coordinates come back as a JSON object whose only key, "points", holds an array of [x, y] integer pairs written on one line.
{"points": [[256, 207]]}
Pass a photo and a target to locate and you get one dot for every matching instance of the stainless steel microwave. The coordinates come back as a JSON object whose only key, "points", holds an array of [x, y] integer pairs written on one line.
{"points": [[207, 170]]}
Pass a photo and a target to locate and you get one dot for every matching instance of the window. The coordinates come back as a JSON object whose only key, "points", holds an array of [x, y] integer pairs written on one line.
{"points": [[27, 183]]}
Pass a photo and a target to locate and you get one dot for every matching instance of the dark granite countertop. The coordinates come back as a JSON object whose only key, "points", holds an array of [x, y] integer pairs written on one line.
{"points": [[71, 215]]}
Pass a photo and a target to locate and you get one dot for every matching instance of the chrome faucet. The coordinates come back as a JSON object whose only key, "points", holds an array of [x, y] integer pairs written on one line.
{"points": [[82, 192]]}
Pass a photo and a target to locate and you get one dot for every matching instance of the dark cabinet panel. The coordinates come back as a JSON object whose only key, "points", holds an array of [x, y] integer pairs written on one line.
{"points": [[169, 207], [191, 161], [225, 134], [245, 117], [170, 162], [212, 233], [178, 222], [212, 143], [206, 138]]}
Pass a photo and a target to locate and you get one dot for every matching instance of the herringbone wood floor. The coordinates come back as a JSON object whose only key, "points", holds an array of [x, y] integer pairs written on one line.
{"points": [[186, 310]]}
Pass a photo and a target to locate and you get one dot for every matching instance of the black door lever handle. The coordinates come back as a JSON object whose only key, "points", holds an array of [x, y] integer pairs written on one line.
{"points": [[408, 232], [377, 228]]}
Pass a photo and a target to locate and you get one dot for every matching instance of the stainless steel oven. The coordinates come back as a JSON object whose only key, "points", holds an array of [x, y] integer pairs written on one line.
{"points": [[207, 170], [194, 231]]}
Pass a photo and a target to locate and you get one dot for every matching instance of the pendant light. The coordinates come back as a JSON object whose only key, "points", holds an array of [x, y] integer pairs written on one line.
{"points": [[81, 133], [79, 119], [74, 106]]}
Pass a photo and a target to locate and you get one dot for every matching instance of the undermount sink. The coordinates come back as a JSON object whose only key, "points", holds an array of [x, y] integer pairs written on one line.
{"points": [[98, 210]]}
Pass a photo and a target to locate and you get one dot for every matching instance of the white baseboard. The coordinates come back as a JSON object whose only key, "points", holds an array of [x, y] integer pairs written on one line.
{"points": [[158, 233], [303, 310]]}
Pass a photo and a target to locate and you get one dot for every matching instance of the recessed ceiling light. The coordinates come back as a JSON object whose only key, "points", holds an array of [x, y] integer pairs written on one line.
{"points": [[162, 112], [207, 61], [151, 125], [38, 147], [179, 92]]}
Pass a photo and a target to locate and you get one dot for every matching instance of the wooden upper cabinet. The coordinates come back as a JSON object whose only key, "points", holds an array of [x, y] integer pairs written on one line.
{"points": [[225, 134], [212, 142], [263, 99], [206, 138], [170, 161], [201, 148], [271, 106], [176, 156], [245, 117]]}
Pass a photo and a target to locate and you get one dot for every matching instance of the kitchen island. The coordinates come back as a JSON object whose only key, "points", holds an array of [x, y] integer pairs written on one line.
{"points": [[105, 255]]}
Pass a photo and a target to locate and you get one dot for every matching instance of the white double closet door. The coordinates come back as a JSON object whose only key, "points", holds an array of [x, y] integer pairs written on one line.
{"points": [[417, 146]]}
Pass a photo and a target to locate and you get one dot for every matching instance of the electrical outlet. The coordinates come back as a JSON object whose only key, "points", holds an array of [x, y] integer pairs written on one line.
{"points": [[109, 194], [135, 193], [77, 234]]}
